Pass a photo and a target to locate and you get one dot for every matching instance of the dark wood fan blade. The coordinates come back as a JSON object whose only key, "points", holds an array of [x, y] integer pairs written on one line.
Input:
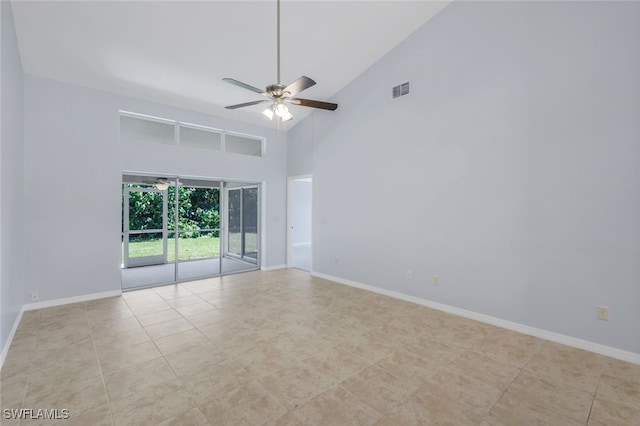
{"points": [[245, 86], [314, 104], [303, 83], [261, 101]]}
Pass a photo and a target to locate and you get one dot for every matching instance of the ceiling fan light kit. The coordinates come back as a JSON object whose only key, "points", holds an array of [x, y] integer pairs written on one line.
{"points": [[280, 95], [269, 113], [162, 184]]}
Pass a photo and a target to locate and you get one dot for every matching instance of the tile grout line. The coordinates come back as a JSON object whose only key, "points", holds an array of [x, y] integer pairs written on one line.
{"points": [[95, 349], [174, 372], [520, 370], [595, 393], [29, 370], [151, 340], [374, 363], [470, 349]]}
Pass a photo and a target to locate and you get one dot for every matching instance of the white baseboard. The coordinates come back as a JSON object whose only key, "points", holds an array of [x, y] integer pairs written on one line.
{"points": [[12, 333], [68, 300], [273, 268], [521, 328]]}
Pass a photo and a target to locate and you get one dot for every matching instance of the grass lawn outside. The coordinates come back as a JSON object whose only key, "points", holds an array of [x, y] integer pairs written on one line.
{"points": [[188, 248]]}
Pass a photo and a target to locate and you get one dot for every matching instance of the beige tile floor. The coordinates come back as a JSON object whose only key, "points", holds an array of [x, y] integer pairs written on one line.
{"points": [[283, 348]]}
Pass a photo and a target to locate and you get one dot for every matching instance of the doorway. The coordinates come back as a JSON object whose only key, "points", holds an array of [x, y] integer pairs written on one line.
{"points": [[299, 250], [181, 228], [196, 210]]}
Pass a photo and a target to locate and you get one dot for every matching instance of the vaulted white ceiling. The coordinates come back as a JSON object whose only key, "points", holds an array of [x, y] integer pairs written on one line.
{"points": [[177, 52]]}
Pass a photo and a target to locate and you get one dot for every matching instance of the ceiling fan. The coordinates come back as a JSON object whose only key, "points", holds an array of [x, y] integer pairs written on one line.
{"points": [[280, 95]]}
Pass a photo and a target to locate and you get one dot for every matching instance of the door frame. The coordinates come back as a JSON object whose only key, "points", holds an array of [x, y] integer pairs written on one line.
{"points": [[144, 260], [290, 181], [147, 179], [225, 206]]}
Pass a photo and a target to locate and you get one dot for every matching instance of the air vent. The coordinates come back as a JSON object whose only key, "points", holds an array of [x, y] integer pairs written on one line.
{"points": [[400, 90]]}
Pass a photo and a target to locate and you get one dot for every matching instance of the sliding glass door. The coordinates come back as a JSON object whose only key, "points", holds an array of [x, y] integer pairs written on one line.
{"points": [[242, 217], [182, 229], [198, 233], [144, 226], [250, 223], [234, 222]]}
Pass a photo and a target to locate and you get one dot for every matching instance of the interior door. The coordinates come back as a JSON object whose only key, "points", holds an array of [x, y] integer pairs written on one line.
{"points": [[299, 222], [144, 229]]}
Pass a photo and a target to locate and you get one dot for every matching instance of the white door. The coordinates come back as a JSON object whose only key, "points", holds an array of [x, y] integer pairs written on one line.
{"points": [[299, 250]]}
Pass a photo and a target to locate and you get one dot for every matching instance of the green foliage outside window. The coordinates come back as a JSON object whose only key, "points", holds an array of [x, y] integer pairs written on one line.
{"points": [[198, 208]]}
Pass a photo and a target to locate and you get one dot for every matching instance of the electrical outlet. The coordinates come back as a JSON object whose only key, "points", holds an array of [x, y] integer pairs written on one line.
{"points": [[408, 273], [35, 296], [436, 280], [603, 313]]}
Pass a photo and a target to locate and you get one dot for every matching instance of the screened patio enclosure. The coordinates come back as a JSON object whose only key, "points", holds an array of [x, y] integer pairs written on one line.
{"points": [[180, 228]]}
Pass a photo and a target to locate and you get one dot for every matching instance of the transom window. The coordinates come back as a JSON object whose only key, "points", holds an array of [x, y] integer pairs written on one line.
{"points": [[142, 128]]}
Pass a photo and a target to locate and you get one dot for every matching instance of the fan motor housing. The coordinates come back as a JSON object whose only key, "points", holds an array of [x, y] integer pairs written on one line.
{"points": [[275, 90]]}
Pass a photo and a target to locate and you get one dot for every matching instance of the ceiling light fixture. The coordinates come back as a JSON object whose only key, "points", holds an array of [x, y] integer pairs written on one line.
{"points": [[278, 109], [162, 184], [286, 116], [269, 112], [281, 110], [279, 95]]}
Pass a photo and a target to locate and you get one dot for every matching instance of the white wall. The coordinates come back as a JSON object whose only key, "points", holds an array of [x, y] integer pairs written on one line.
{"points": [[12, 293], [73, 173], [512, 170], [300, 147]]}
